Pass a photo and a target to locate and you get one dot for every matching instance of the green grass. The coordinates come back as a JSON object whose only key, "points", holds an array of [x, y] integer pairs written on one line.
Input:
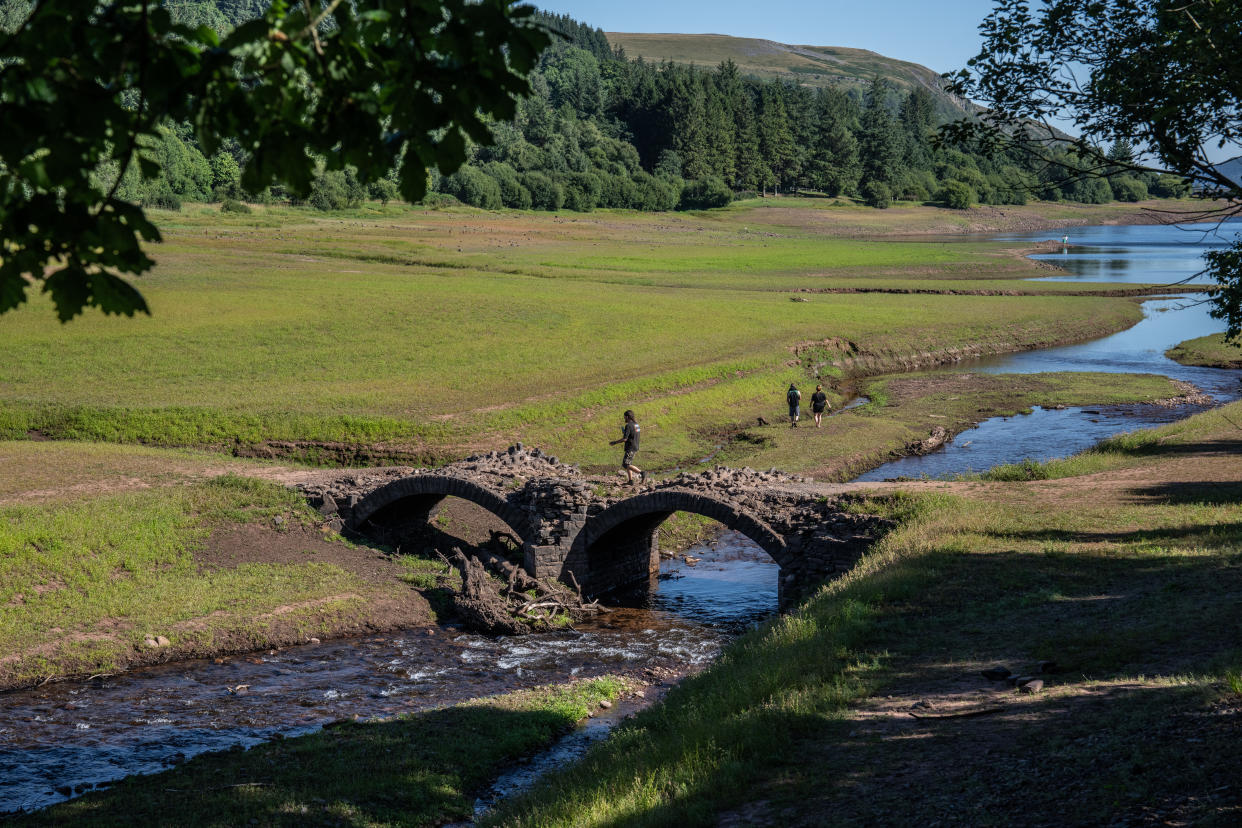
{"points": [[1210, 351], [77, 577], [1135, 600], [441, 332], [421, 769]]}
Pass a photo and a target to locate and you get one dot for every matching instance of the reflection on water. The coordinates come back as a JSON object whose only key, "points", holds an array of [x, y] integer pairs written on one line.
{"points": [[62, 739], [1151, 254]]}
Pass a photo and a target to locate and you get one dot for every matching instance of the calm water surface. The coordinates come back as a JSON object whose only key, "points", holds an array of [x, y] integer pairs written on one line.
{"points": [[1156, 254]]}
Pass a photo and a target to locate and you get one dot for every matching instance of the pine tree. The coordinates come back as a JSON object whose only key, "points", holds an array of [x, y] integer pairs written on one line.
{"points": [[776, 145], [689, 120], [834, 164], [879, 139], [740, 109]]}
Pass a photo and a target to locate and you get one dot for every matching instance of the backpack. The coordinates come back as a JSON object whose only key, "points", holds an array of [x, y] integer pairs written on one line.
{"points": [[793, 396]]}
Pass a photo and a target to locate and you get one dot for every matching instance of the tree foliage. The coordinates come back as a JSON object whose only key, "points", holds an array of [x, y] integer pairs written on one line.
{"points": [[1157, 82], [367, 84]]}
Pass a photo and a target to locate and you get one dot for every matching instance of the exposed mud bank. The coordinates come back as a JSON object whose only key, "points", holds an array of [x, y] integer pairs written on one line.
{"points": [[1105, 292], [856, 363], [349, 455]]}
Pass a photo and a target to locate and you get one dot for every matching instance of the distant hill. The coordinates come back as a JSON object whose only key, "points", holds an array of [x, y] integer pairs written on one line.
{"points": [[1231, 169], [806, 65]]}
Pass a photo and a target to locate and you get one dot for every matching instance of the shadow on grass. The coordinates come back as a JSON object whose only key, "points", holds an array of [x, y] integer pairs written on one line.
{"points": [[1210, 492], [1120, 754], [1214, 535], [423, 769], [1153, 448], [767, 731]]}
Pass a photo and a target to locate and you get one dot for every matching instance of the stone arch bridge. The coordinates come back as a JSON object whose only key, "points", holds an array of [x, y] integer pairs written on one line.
{"points": [[607, 536]]}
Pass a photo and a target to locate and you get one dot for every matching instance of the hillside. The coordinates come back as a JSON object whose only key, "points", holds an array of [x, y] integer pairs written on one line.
{"points": [[815, 66]]}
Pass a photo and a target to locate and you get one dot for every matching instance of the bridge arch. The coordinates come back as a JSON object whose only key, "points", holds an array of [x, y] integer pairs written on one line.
{"points": [[620, 546], [415, 498]]}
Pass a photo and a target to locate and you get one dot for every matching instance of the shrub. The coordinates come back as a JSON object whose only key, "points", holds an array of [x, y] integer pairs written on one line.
{"points": [[657, 193], [163, 199], [1169, 186], [877, 194], [582, 191], [1089, 191], [704, 194], [619, 191], [383, 191], [437, 200], [233, 206], [474, 187], [336, 190], [512, 193], [1126, 188], [955, 195], [545, 194]]}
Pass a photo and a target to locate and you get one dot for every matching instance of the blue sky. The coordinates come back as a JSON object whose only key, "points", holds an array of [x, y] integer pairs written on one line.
{"points": [[939, 35]]}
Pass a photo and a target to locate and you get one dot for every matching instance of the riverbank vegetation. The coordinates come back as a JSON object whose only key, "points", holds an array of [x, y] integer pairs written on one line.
{"points": [[417, 769], [1215, 351], [868, 702]]}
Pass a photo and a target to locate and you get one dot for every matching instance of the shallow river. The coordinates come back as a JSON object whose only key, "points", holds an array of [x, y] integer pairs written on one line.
{"points": [[62, 739]]}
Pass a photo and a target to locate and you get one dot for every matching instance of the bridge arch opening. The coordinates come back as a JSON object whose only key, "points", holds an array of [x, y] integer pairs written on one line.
{"points": [[441, 512], [620, 548]]}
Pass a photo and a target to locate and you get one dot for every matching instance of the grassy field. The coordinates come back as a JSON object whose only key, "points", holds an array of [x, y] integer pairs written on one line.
{"points": [[443, 332], [1210, 351], [417, 769], [867, 703], [89, 532]]}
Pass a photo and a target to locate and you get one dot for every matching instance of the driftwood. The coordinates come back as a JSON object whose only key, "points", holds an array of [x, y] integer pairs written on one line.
{"points": [[513, 603]]}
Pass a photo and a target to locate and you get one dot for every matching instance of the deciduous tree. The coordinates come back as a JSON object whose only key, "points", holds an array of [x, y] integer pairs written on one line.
{"points": [[1164, 75], [365, 83]]}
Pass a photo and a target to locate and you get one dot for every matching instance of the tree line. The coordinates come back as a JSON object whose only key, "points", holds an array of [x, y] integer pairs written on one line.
{"points": [[603, 130]]}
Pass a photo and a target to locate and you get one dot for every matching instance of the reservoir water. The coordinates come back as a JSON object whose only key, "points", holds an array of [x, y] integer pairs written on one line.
{"points": [[1151, 254], [63, 739]]}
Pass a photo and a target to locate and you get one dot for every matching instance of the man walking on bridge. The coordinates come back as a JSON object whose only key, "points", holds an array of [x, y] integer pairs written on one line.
{"points": [[629, 436]]}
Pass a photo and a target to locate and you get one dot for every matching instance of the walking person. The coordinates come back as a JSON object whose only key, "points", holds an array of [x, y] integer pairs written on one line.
{"points": [[629, 436], [794, 397], [819, 401]]}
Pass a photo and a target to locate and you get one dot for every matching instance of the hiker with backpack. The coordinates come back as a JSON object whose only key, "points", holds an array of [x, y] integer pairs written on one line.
{"points": [[794, 397]]}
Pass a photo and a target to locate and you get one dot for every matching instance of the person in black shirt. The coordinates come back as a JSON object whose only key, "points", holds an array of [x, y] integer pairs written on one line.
{"points": [[629, 436], [819, 401]]}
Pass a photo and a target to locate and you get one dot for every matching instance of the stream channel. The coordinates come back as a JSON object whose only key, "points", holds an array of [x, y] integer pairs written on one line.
{"points": [[63, 739]]}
